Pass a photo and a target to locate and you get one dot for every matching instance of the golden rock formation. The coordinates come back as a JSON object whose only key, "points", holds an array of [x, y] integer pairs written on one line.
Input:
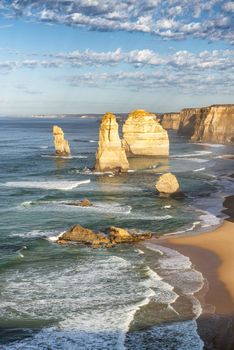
{"points": [[143, 135], [61, 145], [110, 154], [167, 184]]}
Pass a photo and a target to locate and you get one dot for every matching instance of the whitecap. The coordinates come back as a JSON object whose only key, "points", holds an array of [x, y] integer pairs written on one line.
{"points": [[209, 219], [199, 169], [47, 185], [189, 155]]}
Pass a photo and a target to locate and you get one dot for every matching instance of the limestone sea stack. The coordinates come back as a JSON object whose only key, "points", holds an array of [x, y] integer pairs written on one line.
{"points": [[143, 135], [61, 145], [167, 184], [171, 121], [110, 154]]}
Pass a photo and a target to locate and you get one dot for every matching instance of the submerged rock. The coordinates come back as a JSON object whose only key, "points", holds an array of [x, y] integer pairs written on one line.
{"points": [[167, 184], [143, 135], [112, 236], [110, 154], [83, 203], [61, 145]]}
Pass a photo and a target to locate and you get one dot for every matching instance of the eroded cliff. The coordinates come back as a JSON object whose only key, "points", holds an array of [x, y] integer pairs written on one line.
{"points": [[171, 121], [214, 124]]}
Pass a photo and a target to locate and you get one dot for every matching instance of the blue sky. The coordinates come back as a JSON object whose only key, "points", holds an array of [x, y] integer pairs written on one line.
{"points": [[90, 56]]}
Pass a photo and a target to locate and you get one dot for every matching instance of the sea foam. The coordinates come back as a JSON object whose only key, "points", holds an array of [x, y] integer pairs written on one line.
{"points": [[47, 185]]}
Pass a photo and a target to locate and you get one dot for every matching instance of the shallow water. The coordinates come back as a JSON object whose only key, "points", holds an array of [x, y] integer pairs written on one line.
{"points": [[55, 297]]}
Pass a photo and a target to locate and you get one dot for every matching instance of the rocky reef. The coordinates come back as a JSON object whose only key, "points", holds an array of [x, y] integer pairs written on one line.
{"points": [[143, 135], [110, 154], [209, 124], [61, 145], [171, 121], [112, 236], [167, 184]]}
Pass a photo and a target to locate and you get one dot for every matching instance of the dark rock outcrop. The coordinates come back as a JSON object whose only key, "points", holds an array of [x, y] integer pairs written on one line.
{"points": [[112, 236]]}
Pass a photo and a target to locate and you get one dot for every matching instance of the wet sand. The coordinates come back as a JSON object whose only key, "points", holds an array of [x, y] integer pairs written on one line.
{"points": [[212, 253]]}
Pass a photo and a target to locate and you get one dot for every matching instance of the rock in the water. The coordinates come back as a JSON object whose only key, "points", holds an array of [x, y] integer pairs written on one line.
{"points": [[79, 234], [83, 203], [61, 145], [110, 154], [120, 235], [167, 184], [112, 236], [171, 121], [143, 135]]}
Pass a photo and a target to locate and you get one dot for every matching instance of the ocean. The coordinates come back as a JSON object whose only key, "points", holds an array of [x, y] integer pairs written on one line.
{"points": [[75, 297]]}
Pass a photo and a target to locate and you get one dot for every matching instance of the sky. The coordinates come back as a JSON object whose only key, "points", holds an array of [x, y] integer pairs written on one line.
{"points": [[93, 56]]}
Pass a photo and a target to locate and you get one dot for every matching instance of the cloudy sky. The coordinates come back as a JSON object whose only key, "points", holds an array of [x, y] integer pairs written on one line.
{"points": [[90, 56]]}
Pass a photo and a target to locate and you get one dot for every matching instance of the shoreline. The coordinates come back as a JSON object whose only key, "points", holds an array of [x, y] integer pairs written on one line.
{"points": [[212, 254]]}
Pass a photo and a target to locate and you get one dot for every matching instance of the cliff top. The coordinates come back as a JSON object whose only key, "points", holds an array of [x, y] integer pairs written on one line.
{"points": [[140, 113]]}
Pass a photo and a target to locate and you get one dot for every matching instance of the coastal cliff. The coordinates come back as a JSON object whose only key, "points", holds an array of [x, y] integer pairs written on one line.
{"points": [[143, 135], [110, 154], [171, 121], [187, 121], [209, 124], [215, 124], [61, 145]]}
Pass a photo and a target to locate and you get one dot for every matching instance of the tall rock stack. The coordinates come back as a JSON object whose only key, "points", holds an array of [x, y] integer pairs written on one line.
{"points": [[110, 154], [143, 135], [61, 145]]}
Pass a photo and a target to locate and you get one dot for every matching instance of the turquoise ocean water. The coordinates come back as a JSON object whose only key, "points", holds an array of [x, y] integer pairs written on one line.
{"points": [[63, 297]]}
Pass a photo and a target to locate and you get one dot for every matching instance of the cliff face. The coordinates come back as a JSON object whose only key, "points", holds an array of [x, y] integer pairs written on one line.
{"points": [[61, 145], [143, 135], [187, 121], [110, 154], [171, 121], [215, 124]]}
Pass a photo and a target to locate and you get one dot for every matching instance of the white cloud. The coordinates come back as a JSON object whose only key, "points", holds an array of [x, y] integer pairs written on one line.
{"points": [[168, 19]]}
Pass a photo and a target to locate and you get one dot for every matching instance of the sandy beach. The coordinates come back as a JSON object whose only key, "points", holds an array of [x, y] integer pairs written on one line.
{"points": [[212, 253]]}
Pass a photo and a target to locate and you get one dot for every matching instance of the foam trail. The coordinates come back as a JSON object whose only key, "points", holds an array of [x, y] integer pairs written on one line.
{"points": [[47, 185], [200, 169]]}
